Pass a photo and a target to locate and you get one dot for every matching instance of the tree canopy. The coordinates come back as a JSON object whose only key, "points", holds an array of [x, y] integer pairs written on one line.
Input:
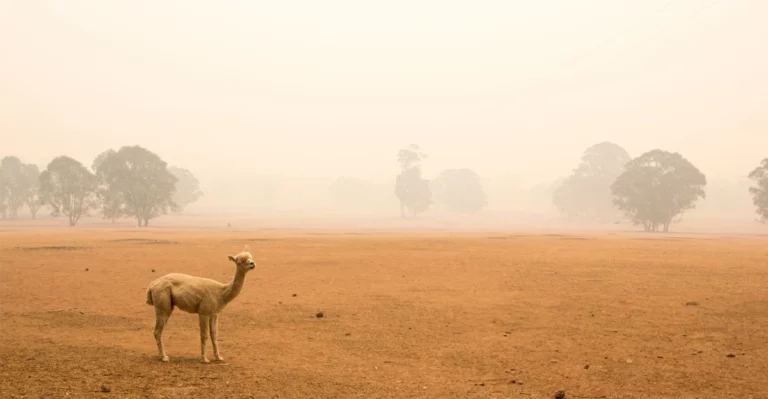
{"points": [[413, 192], [410, 157], [68, 188], [107, 191], [410, 188], [138, 180], [32, 189], [19, 186], [4, 193], [656, 187], [760, 190], [187, 187], [12, 185], [586, 192], [459, 190]]}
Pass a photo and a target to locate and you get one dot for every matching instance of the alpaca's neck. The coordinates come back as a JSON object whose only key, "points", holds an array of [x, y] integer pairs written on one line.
{"points": [[232, 289]]}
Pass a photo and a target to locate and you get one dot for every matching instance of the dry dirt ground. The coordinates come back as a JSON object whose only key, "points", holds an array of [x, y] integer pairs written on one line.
{"points": [[405, 316]]}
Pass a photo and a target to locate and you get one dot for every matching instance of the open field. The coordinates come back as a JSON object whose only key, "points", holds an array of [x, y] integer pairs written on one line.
{"points": [[406, 315]]}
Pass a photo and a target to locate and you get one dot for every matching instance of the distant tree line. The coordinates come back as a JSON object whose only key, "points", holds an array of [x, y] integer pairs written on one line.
{"points": [[132, 182], [453, 190], [652, 190]]}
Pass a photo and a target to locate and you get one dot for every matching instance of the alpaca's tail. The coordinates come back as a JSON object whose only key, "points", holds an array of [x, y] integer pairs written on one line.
{"points": [[149, 298]]}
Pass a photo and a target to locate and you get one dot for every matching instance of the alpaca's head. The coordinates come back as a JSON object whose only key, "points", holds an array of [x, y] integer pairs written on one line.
{"points": [[243, 260]]}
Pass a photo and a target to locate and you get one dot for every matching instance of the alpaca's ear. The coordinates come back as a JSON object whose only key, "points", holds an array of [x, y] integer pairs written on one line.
{"points": [[245, 248], [232, 258]]}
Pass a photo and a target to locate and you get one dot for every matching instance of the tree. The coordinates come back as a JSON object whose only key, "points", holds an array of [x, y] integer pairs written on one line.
{"points": [[107, 192], [187, 187], [32, 189], [141, 181], [568, 197], [656, 187], [19, 185], [586, 192], [459, 190], [68, 188], [4, 193], [410, 188], [410, 157], [760, 191], [12, 185], [413, 192]]}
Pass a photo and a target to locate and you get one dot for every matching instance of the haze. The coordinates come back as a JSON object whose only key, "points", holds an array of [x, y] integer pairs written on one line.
{"points": [[309, 91]]}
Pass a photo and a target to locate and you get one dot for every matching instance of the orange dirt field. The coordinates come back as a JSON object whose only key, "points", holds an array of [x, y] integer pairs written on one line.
{"points": [[408, 315]]}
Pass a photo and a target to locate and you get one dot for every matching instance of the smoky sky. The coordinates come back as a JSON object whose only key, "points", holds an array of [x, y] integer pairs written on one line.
{"points": [[303, 89]]}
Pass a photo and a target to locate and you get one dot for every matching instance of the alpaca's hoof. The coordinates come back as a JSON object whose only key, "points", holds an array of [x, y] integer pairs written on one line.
{"points": [[204, 360], [219, 359], [164, 359]]}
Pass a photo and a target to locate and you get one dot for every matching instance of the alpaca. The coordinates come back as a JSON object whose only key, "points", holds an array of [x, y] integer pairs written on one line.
{"points": [[199, 295]]}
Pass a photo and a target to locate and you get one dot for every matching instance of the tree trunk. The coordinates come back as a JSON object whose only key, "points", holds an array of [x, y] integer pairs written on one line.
{"points": [[402, 210], [667, 223], [138, 220], [146, 222], [33, 211]]}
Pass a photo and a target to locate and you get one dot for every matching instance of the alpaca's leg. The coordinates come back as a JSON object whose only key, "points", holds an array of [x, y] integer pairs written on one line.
{"points": [[214, 337], [204, 325], [161, 318]]}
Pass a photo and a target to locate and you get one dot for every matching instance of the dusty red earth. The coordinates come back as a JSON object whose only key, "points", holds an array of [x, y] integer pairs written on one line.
{"points": [[405, 316]]}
